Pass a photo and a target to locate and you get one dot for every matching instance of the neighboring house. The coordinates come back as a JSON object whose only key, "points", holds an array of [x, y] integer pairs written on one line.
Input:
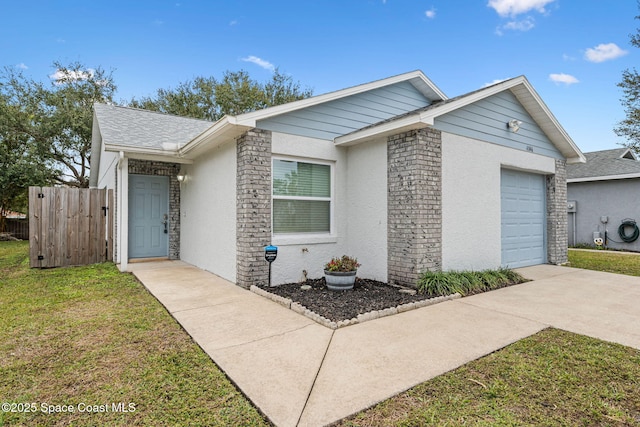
{"points": [[391, 172], [603, 193]]}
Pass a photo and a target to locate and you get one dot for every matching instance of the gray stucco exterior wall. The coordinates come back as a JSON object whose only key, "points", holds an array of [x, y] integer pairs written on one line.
{"points": [[414, 204], [253, 206], [615, 199], [556, 214]]}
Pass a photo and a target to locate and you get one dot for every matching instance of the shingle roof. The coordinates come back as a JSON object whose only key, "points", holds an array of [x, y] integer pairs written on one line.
{"points": [[615, 162], [132, 127]]}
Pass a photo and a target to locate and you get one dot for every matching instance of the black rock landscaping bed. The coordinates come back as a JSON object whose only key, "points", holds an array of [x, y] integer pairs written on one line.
{"points": [[336, 306]]}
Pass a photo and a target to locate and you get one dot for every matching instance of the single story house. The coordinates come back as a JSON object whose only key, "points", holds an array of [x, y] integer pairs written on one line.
{"points": [[603, 199], [391, 172]]}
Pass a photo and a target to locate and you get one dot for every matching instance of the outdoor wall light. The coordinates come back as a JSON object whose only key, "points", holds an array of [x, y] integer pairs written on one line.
{"points": [[514, 125], [181, 176]]}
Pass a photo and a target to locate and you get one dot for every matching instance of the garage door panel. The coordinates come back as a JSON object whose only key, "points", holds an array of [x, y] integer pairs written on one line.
{"points": [[523, 219]]}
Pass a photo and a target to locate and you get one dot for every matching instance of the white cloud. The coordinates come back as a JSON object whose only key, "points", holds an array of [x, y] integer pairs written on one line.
{"points": [[523, 25], [604, 52], [496, 81], [431, 13], [60, 76], [513, 8], [260, 62], [566, 79], [22, 66], [232, 23]]}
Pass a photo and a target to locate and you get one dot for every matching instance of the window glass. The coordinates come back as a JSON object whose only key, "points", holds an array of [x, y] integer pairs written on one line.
{"points": [[301, 197]]}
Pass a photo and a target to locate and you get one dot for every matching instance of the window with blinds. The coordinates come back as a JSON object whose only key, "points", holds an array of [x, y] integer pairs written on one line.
{"points": [[301, 197]]}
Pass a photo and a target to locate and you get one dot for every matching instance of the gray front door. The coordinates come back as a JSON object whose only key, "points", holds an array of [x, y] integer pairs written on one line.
{"points": [[148, 216]]}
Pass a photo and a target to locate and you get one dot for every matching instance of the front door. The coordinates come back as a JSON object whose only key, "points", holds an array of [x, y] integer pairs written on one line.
{"points": [[148, 216]]}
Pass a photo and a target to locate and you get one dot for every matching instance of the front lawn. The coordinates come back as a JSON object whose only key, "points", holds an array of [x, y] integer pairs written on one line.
{"points": [[553, 378], [93, 340], [610, 261]]}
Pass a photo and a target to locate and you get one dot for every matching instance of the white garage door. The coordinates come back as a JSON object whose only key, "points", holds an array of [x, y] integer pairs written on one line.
{"points": [[523, 198]]}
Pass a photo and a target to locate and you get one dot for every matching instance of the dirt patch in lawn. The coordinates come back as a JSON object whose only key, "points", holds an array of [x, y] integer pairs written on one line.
{"points": [[366, 296]]}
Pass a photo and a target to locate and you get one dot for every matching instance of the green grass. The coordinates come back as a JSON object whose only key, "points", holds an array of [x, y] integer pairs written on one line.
{"points": [[609, 261], [553, 378], [440, 283], [95, 336]]}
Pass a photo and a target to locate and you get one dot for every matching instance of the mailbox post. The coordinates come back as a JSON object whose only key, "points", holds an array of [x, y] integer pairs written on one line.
{"points": [[270, 254]]}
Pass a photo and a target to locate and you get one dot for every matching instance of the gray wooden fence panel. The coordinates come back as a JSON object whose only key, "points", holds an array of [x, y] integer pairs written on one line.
{"points": [[70, 226]]}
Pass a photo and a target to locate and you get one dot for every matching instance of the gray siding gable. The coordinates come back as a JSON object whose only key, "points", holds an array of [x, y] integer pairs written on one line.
{"points": [[487, 119], [342, 116]]}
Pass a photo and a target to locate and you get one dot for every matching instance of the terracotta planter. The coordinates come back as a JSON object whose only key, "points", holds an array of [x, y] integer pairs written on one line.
{"points": [[340, 280]]}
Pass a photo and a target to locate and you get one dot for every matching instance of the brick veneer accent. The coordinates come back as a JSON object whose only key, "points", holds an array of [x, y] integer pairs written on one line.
{"points": [[253, 207], [414, 198], [557, 232], [146, 167]]}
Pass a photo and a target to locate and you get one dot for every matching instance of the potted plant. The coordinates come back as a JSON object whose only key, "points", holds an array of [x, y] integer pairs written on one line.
{"points": [[340, 273]]}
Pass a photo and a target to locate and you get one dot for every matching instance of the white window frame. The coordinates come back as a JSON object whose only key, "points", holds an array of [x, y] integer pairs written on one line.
{"points": [[312, 237]]}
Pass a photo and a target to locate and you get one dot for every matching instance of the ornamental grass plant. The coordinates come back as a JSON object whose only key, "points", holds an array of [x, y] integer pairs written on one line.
{"points": [[442, 283]]}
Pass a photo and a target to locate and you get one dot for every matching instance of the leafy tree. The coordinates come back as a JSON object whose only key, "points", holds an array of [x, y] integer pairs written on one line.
{"points": [[236, 93], [21, 164], [630, 85], [55, 121]]}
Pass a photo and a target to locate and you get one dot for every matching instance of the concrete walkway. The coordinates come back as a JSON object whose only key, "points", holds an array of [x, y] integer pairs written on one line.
{"points": [[302, 374]]}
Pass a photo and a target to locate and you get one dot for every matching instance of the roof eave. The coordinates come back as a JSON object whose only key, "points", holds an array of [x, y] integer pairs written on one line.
{"points": [[225, 129], [144, 153], [604, 177]]}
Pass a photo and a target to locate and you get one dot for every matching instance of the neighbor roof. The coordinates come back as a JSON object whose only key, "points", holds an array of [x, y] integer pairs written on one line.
{"points": [[618, 163], [132, 127]]}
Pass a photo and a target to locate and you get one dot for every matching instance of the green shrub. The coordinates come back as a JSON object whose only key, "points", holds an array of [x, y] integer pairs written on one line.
{"points": [[439, 283]]}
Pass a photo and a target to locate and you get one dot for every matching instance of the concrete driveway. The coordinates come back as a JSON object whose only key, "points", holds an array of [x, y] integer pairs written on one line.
{"points": [[302, 374]]}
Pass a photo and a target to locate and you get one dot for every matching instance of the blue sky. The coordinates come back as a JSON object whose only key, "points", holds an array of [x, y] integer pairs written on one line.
{"points": [[572, 51]]}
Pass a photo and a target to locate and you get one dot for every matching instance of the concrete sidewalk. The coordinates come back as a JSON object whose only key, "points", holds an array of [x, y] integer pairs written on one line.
{"points": [[302, 374]]}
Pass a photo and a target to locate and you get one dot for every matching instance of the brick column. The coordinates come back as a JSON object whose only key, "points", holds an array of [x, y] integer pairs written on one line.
{"points": [[414, 203], [557, 231], [253, 206]]}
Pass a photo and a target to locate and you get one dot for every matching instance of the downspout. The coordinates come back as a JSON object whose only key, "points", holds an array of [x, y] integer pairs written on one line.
{"points": [[123, 211]]}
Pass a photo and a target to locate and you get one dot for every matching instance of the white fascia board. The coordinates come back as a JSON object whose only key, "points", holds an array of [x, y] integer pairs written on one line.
{"points": [[579, 157], [225, 129], [604, 178], [142, 153], [250, 119]]}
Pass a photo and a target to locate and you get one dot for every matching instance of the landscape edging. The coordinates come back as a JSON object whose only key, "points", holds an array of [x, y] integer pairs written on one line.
{"points": [[364, 317]]}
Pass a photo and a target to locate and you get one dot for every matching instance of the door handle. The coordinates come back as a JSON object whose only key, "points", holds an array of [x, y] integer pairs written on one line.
{"points": [[166, 223]]}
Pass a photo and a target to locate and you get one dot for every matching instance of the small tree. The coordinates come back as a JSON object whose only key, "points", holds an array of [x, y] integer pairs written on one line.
{"points": [[630, 85]]}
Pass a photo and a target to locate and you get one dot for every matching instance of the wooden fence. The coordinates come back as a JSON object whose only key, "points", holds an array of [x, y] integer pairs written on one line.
{"points": [[70, 226], [17, 227]]}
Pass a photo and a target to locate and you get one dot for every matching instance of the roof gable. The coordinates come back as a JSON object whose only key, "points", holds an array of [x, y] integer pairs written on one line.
{"points": [[519, 87], [486, 119], [338, 117]]}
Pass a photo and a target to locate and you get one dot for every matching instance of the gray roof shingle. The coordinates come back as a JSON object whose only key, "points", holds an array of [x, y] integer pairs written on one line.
{"points": [[615, 162], [133, 127]]}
